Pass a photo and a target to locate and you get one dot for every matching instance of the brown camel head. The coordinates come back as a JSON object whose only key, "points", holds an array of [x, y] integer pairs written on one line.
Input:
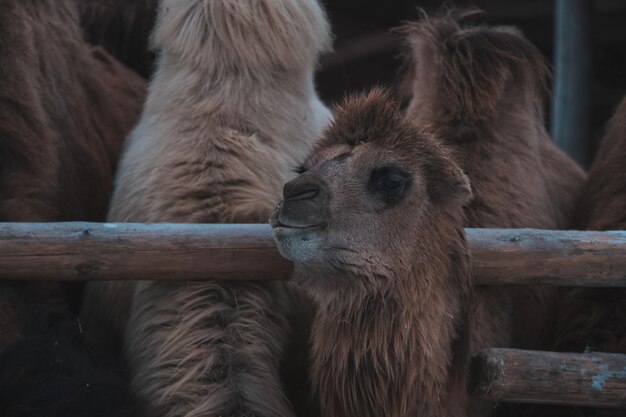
{"points": [[369, 199]]}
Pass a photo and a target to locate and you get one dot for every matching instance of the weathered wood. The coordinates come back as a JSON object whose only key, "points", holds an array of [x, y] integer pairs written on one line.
{"points": [[96, 251], [562, 258], [589, 379], [90, 251]]}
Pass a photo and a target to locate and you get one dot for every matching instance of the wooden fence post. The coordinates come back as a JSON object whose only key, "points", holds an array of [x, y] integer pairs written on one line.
{"points": [[572, 78]]}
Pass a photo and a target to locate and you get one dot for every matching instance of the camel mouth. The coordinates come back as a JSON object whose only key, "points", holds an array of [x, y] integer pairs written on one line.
{"points": [[280, 225], [281, 229], [298, 243], [278, 221]]}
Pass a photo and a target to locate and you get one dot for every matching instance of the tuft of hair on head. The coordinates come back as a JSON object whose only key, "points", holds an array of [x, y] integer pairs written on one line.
{"points": [[475, 65], [367, 117], [243, 35]]}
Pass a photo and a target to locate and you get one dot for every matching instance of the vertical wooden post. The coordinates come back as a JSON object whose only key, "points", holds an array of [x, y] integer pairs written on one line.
{"points": [[572, 92]]}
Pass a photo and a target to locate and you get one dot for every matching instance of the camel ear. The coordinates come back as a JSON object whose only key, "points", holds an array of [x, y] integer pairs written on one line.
{"points": [[448, 183]]}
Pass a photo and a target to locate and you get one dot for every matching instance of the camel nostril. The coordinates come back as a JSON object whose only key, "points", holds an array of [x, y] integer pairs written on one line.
{"points": [[307, 193], [301, 189]]}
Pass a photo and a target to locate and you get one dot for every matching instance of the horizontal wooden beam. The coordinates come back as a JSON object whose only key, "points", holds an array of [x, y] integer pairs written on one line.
{"points": [[93, 251], [102, 251], [548, 257], [589, 379]]}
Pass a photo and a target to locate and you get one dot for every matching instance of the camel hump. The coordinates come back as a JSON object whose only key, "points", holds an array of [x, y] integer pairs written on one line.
{"points": [[244, 34], [477, 65]]}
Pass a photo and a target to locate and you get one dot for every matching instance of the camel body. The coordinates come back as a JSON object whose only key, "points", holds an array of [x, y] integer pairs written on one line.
{"points": [[65, 110], [231, 110], [481, 88]]}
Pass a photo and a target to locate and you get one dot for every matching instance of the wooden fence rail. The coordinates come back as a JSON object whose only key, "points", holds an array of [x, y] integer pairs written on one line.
{"points": [[102, 251], [586, 379]]}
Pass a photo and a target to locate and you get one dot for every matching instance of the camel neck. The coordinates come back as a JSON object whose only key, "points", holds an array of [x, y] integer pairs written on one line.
{"points": [[390, 354]]}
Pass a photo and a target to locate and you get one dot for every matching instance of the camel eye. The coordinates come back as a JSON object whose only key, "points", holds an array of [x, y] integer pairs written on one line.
{"points": [[390, 183], [393, 182]]}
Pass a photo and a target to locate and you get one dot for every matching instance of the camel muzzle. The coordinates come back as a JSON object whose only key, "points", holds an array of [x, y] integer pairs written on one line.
{"points": [[303, 205]]}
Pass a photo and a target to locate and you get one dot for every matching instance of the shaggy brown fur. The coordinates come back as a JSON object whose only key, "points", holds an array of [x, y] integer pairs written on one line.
{"points": [[231, 109], [65, 109], [482, 89], [123, 28], [374, 225]]}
